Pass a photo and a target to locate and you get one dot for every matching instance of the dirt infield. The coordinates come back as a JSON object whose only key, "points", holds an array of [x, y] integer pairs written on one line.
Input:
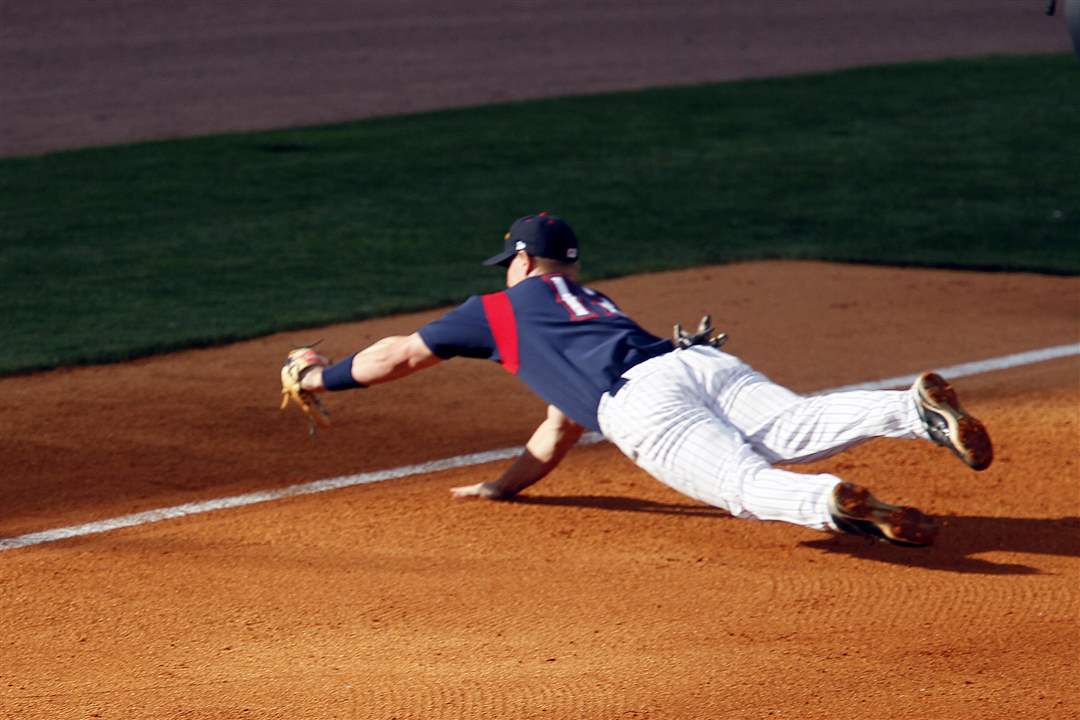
{"points": [[599, 594]]}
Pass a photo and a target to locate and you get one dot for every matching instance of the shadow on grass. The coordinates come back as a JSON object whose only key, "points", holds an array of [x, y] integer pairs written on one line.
{"points": [[962, 536]]}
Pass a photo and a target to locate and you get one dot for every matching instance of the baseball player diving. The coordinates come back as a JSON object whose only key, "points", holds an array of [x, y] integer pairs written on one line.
{"points": [[696, 418]]}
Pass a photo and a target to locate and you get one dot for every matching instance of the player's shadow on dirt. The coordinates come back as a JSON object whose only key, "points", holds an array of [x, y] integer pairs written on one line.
{"points": [[962, 537], [624, 504]]}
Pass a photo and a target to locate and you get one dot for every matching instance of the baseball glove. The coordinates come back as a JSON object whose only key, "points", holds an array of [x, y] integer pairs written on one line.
{"points": [[297, 364], [703, 336]]}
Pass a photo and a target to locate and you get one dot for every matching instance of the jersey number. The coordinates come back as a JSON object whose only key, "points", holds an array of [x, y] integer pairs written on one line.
{"points": [[584, 305]]}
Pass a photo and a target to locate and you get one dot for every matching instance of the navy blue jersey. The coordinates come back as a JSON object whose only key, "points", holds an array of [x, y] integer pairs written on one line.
{"points": [[569, 343]]}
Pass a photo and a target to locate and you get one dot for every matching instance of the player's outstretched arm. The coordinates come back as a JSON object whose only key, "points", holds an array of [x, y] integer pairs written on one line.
{"points": [[544, 451], [389, 359]]}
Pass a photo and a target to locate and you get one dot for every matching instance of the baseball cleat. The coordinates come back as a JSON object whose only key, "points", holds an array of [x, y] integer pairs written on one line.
{"points": [[948, 424], [857, 512]]}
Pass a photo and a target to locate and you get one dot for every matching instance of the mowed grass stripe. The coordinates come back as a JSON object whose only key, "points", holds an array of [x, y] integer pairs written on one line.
{"points": [[113, 253]]}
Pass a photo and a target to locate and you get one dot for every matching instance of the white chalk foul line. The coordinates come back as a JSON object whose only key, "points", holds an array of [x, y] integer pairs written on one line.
{"points": [[318, 486], [195, 508], [972, 368]]}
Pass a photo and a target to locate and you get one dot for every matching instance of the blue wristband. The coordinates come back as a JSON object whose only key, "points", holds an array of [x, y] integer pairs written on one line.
{"points": [[339, 376]]}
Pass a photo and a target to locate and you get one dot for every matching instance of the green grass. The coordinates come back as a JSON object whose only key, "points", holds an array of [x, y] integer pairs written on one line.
{"points": [[112, 253]]}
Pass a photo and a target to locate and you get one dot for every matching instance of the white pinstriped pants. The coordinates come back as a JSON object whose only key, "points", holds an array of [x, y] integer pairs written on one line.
{"points": [[706, 424]]}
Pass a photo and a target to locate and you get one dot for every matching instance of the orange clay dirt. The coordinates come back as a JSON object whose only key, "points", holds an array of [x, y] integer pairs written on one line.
{"points": [[600, 593]]}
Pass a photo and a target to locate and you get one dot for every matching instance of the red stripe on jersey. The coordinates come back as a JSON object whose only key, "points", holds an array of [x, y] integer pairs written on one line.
{"points": [[500, 317]]}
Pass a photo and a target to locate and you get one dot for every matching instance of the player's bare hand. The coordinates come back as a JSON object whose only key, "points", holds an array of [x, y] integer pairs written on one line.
{"points": [[485, 490]]}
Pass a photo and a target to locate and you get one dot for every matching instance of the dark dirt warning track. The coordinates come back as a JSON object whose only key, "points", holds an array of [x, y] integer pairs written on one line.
{"points": [[601, 593], [114, 71]]}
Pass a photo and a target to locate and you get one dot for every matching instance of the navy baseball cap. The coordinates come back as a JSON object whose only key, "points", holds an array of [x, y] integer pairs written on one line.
{"points": [[543, 235]]}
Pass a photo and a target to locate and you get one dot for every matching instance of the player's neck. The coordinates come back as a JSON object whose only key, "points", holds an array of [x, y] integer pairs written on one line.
{"points": [[569, 271]]}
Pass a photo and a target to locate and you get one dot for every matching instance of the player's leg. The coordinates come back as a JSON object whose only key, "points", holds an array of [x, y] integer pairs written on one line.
{"points": [[709, 461], [814, 427], [660, 421], [786, 427]]}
